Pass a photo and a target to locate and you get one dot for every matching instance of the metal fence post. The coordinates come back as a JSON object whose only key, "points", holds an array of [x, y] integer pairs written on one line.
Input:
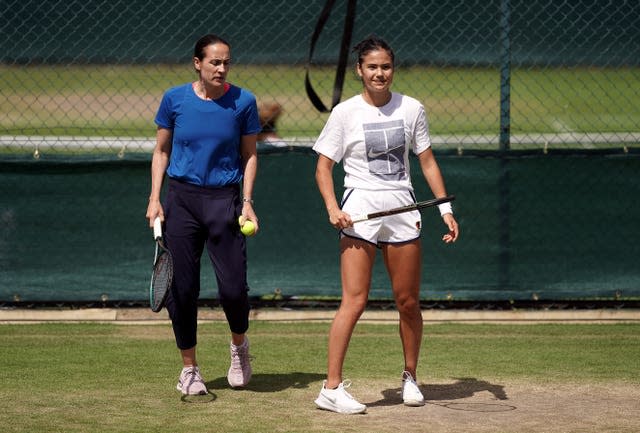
{"points": [[505, 130], [505, 74]]}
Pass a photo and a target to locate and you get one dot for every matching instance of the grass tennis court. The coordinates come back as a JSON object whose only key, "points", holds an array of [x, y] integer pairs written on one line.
{"points": [[121, 100], [75, 377]]}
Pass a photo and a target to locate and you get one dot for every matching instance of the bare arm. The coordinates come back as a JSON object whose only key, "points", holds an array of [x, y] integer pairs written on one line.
{"points": [[249, 154], [324, 179], [159, 164], [433, 176]]}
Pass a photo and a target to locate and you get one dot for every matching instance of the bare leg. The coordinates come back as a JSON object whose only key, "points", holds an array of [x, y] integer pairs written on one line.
{"points": [[356, 262], [237, 339], [189, 357], [403, 264]]}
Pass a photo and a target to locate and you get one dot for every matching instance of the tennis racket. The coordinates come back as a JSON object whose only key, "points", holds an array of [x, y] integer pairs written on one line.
{"points": [[408, 208], [162, 275]]}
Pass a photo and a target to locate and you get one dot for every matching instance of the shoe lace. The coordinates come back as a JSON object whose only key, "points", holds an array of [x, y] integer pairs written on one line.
{"points": [[191, 375], [346, 384], [406, 376], [240, 356]]}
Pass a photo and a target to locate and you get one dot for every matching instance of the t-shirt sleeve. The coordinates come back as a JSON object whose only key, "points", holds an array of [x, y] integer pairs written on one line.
{"points": [[164, 117], [330, 142], [251, 119], [421, 138]]}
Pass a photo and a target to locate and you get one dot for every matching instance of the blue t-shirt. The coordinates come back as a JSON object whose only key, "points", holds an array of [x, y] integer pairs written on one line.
{"points": [[206, 134]]}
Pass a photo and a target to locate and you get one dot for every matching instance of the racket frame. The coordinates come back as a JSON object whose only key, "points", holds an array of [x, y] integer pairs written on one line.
{"points": [[415, 206], [160, 251]]}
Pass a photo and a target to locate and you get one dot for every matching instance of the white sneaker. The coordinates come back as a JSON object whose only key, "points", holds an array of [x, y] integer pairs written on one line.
{"points": [[240, 370], [339, 400], [411, 394], [190, 382]]}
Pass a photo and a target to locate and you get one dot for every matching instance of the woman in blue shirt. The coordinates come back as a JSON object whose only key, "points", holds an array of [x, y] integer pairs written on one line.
{"points": [[206, 146]]}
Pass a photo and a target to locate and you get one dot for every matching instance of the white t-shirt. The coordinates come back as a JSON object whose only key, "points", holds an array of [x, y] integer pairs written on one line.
{"points": [[373, 142]]}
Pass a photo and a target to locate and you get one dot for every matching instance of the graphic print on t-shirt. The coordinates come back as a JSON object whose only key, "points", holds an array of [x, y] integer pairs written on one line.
{"points": [[385, 147]]}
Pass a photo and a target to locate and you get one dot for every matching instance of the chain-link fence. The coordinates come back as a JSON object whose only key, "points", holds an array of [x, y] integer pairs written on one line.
{"points": [[557, 81], [557, 73]]}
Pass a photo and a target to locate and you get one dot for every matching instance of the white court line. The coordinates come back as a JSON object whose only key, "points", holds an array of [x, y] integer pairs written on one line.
{"points": [[145, 316]]}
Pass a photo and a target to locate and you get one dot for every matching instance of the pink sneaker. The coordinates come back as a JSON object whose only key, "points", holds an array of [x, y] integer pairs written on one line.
{"points": [[190, 382], [240, 369]]}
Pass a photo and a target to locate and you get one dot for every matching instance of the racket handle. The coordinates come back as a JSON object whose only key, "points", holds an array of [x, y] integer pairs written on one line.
{"points": [[157, 228], [359, 218]]}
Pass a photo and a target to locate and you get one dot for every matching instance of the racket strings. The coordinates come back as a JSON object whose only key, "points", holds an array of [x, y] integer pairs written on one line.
{"points": [[162, 278]]}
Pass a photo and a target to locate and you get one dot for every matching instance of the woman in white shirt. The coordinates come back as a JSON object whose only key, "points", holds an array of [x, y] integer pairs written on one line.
{"points": [[372, 134]]}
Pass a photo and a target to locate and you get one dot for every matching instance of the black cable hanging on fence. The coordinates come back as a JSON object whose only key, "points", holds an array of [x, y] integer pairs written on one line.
{"points": [[342, 60]]}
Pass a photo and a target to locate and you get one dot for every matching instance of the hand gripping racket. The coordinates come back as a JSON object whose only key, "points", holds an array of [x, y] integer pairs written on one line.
{"points": [[408, 208], [162, 275]]}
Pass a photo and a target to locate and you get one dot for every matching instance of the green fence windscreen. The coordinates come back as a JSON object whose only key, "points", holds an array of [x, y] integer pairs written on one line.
{"points": [[77, 232]]}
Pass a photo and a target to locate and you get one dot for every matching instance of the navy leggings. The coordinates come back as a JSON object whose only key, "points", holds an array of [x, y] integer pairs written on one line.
{"points": [[196, 216]]}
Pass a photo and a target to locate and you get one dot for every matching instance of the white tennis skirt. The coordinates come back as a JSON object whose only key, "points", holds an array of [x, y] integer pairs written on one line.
{"points": [[398, 228]]}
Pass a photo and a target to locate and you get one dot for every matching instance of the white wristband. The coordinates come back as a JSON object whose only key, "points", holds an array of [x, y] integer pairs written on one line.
{"points": [[445, 208]]}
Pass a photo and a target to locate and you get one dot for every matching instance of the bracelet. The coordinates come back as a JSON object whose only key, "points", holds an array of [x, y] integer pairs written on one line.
{"points": [[445, 208], [247, 200]]}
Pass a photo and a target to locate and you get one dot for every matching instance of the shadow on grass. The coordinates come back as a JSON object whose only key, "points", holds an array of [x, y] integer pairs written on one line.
{"points": [[463, 388], [271, 382], [209, 397]]}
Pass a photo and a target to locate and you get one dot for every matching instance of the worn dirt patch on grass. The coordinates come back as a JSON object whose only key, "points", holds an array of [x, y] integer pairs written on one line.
{"points": [[470, 405]]}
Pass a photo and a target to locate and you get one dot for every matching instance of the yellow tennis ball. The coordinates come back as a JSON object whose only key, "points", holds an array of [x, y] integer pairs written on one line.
{"points": [[248, 228]]}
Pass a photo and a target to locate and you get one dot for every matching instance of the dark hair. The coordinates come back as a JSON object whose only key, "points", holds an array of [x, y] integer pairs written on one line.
{"points": [[204, 42], [372, 43]]}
